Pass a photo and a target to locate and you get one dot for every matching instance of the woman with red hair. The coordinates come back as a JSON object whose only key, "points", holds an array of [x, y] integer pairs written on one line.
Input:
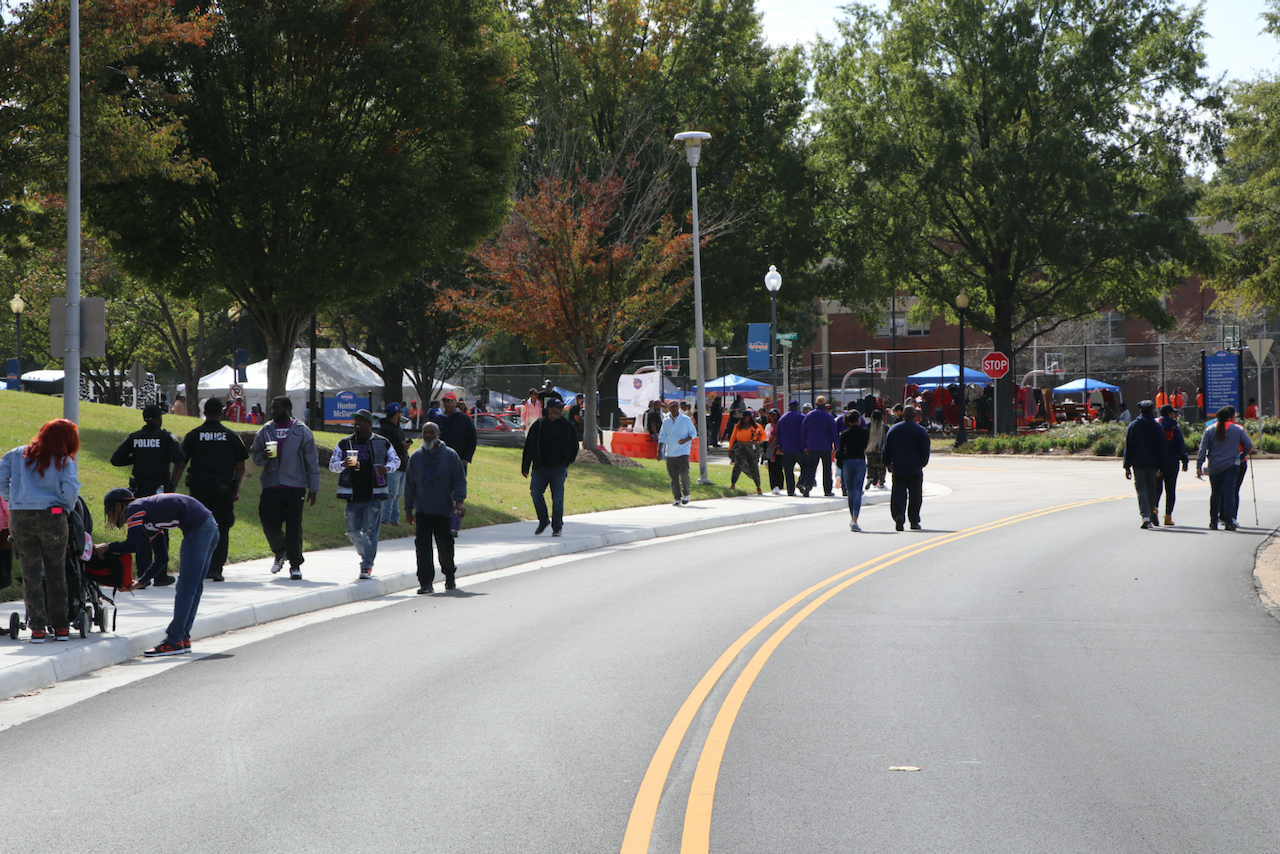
{"points": [[39, 482]]}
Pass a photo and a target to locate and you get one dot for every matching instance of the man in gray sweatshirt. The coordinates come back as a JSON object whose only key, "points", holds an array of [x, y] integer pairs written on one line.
{"points": [[285, 448], [434, 489]]}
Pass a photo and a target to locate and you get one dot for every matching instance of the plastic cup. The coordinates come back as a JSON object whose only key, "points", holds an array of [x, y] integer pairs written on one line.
{"points": [[353, 459], [271, 449]]}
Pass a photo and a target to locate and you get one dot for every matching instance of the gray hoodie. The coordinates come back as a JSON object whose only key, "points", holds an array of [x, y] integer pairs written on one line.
{"points": [[296, 464]]}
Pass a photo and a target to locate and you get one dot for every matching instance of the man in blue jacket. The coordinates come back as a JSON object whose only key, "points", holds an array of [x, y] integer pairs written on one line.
{"points": [[790, 432], [1144, 458], [1175, 452], [434, 490], [906, 453], [820, 436]]}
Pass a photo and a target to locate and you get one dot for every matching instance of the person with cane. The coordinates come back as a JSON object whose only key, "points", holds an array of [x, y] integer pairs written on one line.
{"points": [[1221, 446]]}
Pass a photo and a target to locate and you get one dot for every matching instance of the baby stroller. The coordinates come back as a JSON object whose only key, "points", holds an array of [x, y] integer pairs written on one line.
{"points": [[86, 604]]}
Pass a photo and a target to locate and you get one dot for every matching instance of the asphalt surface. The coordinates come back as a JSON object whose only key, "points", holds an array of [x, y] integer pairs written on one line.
{"points": [[1062, 681]]}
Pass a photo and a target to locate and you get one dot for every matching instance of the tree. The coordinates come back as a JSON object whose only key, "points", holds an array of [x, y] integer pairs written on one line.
{"points": [[570, 274], [1026, 152], [347, 145]]}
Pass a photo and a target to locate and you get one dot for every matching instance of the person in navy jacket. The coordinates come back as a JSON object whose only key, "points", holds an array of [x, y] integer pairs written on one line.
{"points": [[906, 453]]}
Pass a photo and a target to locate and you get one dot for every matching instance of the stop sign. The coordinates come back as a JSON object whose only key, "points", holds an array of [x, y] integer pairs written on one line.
{"points": [[995, 365]]}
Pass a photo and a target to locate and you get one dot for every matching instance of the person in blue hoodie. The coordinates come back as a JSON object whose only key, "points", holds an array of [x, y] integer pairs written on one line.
{"points": [[820, 437], [1175, 452], [434, 490], [790, 439], [1144, 457]]}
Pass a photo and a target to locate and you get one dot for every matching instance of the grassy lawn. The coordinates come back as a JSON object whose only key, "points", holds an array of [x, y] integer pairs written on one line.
{"points": [[496, 491]]}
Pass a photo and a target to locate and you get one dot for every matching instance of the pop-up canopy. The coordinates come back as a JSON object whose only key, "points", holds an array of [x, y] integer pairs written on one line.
{"points": [[1085, 385]]}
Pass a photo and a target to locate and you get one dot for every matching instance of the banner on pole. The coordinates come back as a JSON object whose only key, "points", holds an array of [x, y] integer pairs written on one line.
{"points": [[757, 346]]}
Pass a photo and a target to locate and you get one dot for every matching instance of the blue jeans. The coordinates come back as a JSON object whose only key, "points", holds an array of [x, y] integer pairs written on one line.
{"points": [[854, 474], [391, 507], [193, 563], [539, 480], [1222, 495], [364, 524]]}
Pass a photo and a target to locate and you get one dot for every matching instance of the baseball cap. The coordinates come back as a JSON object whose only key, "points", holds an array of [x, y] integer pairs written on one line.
{"points": [[555, 401], [392, 407], [365, 414], [117, 494], [151, 411], [448, 395]]}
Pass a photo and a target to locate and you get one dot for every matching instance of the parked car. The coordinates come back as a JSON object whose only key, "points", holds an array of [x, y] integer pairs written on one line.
{"points": [[496, 431]]}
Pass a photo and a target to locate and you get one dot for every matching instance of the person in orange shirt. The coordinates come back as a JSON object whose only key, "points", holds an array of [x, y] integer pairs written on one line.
{"points": [[744, 449], [1179, 399], [1161, 398], [1251, 411], [415, 415]]}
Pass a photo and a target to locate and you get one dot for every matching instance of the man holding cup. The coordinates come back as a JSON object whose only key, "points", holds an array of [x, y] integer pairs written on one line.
{"points": [[363, 460], [285, 449]]}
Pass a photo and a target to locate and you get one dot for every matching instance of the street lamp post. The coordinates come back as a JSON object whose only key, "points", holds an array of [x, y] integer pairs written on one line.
{"points": [[773, 281], [693, 152], [233, 314], [17, 306], [962, 303]]}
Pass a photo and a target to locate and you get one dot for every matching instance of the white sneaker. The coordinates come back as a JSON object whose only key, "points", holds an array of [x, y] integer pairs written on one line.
{"points": [[366, 574], [684, 499], [278, 564], [675, 503], [777, 490], [853, 526]]}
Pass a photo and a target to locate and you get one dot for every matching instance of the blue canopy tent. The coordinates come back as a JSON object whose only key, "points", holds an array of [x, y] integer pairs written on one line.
{"points": [[947, 374], [734, 384], [1084, 385]]}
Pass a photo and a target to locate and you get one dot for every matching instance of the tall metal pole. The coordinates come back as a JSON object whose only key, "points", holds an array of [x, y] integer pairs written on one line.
{"points": [[773, 335], [962, 435], [693, 149], [71, 358], [311, 404]]}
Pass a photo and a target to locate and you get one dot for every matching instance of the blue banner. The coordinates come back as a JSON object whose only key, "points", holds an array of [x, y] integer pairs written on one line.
{"points": [[758, 346], [342, 407], [12, 375], [242, 362], [1221, 382]]}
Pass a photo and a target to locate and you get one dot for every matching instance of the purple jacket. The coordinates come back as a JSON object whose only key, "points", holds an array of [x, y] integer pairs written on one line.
{"points": [[790, 439], [819, 431]]}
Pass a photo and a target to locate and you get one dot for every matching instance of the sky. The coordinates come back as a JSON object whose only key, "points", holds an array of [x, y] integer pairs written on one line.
{"points": [[1235, 46]]}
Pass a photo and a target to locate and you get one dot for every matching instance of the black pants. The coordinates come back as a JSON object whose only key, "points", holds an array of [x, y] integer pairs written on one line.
{"points": [[1168, 485], [223, 508], [905, 497], [775, 473], [280, 511], [809, 471], [425, 529], [789, 463]]}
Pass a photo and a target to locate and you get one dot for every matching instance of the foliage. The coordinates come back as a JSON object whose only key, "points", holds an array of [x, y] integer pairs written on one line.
{"points": [[347, 146], [1029, 153], [572, 274]]}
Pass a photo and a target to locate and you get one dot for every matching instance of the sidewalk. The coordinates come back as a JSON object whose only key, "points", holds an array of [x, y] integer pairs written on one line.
{"points": [[251, 595]]}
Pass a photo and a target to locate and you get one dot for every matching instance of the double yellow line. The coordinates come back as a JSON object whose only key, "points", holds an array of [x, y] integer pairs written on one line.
{"points": [[697, 819]]}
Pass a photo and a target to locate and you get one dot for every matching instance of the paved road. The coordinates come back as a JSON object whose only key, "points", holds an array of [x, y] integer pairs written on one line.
{"points": [[1062, 680]]}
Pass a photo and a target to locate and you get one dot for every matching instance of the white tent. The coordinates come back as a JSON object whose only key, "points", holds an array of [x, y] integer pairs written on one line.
{"points": [[336, 370]]}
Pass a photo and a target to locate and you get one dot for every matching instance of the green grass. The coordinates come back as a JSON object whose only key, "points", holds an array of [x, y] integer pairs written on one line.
{"points": [[496, 491]]}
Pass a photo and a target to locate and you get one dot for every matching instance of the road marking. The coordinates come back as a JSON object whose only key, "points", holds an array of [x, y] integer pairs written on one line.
{"points": [[697, 828]]}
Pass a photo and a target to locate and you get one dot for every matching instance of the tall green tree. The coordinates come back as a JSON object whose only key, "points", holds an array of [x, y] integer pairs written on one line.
{"points": [[1029, 153], [347, 145]]}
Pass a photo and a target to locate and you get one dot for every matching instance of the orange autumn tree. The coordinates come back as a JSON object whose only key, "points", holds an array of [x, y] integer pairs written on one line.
{"points": [[578, 279]]}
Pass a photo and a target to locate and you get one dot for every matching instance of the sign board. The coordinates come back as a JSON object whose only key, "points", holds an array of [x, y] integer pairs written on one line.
{"points": [[1221, 381], [342, 407], [709, 356], [787, 336], [636, 390], [93, 327], [1260, 347], [995, 365], [757, 346]]}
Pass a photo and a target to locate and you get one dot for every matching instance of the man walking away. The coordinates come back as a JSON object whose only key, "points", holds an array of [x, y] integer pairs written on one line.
{"points": [[285, 449], [150, 451], [550, 448], [714, 416], [906, 453], [1175, 451], [676, 440], [435, 489], [391, 430], [363, 461], [1144, 460], [819, 433], [458, 431], [790, 436], [215, 469], [653, 424]]}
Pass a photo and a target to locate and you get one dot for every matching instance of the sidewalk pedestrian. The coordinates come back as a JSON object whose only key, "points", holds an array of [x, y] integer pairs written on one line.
{"points": [[435, 490], [744, 449], [1221, 446], [215, 469], [819, 434], [530, 411], [676, 439], [791, 446], [391, 429], [1144, 461], [149, 517], [906, 453], [772, 456], [715, 414], [549, 449], [179, 405], [40, 483], [852, 460], [363, 462], [1175, 453], [151, 451], [457, 430], [285, 449], [876, 431]]}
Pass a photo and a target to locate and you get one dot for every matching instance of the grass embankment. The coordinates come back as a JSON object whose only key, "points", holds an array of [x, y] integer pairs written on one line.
{"points": [[1104, 440], [496, 491]]}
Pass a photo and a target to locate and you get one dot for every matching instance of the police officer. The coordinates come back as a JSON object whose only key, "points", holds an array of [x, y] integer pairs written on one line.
{"points": [[216, 456], [150, 451]]}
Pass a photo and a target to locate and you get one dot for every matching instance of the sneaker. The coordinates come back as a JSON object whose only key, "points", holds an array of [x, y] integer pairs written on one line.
{"points": [[853, 526], [277, 564], [1168, 521], [777, 491], [684, 499], [675, 503], [426, 589], [1155, 521], [164, 580], [1230, 526], [542, 526], [186, 646], [804, 490], [1213, 526], [1146, 523], [62, 634], [166, 648], [556, 532], [295, 574], [37, 636], [828, 495], [366, 574], [455, 534]]}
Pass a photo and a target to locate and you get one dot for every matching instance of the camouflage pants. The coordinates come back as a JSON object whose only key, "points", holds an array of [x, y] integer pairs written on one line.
{"points": [[40, 540]]}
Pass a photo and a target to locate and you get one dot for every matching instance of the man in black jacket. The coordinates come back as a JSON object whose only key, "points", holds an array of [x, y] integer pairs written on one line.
{"points": [[457, 430], [216, 456], [1144, 460], [906, 453], [549, 449], [150, 451]]}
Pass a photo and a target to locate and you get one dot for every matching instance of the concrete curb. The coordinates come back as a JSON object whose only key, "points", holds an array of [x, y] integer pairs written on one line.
{"points": [[100, 651]]}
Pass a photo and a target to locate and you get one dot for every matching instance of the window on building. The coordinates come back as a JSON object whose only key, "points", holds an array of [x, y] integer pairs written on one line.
{"points": [[906, 328]]}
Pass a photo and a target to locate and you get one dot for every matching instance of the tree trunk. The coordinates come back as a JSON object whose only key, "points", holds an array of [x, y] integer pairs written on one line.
{"points": [[281, 331], [590, 381], [1005, 420]]}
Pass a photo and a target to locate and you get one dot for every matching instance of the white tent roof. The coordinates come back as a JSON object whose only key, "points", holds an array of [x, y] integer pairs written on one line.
{"points": [[336, 370]]}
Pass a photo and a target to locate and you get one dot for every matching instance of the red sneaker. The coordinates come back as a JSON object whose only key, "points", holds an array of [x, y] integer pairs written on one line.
{"points": [[37, 636], [62, 634], [166, 648]]}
